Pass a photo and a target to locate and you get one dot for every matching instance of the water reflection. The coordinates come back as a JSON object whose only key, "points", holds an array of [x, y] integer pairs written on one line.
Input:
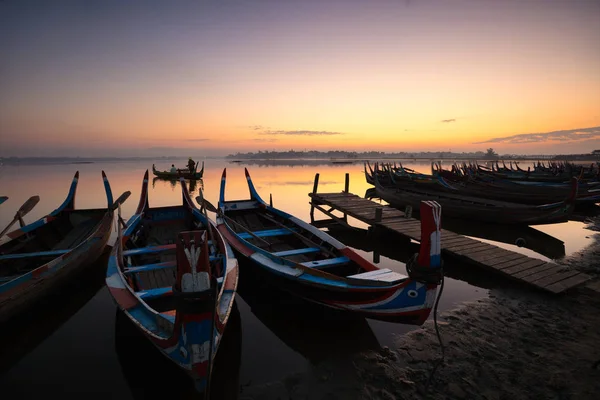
{"points": [[192, 184], [308, 333], [25, 332], [314, 331], [149, 374]]}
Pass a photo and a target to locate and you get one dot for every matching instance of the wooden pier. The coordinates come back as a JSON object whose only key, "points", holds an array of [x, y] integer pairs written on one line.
{"points": [[547, 276]]}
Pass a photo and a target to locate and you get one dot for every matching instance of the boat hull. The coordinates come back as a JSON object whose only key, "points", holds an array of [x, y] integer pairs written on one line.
{"points": [[49, 277]]}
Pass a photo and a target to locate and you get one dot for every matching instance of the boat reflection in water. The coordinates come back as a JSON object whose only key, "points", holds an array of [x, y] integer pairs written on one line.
{"points": [[521, 236], [150, 374], [23, 333], [193, 184], [314, 331]]}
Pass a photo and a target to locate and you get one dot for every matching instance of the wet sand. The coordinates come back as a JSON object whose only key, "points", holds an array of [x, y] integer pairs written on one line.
{"points": [[517, 344]]}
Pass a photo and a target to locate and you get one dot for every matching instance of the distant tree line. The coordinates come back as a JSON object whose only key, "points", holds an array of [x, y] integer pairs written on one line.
{"points": [[489, 154]]}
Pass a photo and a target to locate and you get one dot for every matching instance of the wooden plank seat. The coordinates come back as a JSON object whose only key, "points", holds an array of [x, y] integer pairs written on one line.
{"points": [[155, 293], [150, 249], [265, 233], [160, 265], [381, 275], [329, 262], [295, 252], [49, 253], [150, 294]]}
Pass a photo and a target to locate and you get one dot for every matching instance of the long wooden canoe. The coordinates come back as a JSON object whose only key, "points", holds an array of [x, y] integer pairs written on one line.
{"points": [[480, 209], [37, 258], [175, 277], [313, 265]]}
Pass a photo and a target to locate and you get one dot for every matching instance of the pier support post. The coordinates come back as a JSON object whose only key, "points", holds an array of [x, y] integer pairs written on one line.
{"points": [[312, 207], [378, 214], [347, 183], [346, 190]]}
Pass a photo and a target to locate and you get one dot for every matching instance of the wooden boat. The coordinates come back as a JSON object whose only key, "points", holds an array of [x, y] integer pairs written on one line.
{"points": [[181, 173], [313, 265], [175, 278], [480, 209], [36, 258], [532, 193]]}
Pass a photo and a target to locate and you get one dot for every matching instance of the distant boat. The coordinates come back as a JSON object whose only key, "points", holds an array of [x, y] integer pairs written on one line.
{"points": [[181, 173], [36, 258]]}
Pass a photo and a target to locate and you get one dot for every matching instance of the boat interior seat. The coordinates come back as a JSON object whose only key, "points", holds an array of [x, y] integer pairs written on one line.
{"points": [[51, 253], [294, 252], [266, 233], [149, 249], [328, 262]]}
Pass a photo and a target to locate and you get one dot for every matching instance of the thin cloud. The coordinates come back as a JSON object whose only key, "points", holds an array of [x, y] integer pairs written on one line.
{"points": [[266, 140], [449, 120], [301, 133], [197, 140], [258, 127], [571, 135]]}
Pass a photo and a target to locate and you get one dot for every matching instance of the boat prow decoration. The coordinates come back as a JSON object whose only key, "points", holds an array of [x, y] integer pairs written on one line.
{"points": [[253, 193], [143, 204], [69, 203]]}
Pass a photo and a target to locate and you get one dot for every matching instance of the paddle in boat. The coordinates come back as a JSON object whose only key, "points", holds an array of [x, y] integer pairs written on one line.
{"points": [[313, 265], [36, 258], [175, 278], [181, 173]]}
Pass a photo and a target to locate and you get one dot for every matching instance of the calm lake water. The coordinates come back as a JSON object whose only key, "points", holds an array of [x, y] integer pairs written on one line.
{"points": [[77, 344]]}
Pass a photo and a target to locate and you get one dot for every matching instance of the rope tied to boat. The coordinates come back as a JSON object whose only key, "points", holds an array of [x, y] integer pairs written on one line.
{"points": [[424, 273]]}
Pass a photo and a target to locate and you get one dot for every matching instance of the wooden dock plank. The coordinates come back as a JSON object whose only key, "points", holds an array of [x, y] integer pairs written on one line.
{"points": [[539, 273], [520, 265], [471, 251], [568, 283], [548, 280], [544, 273], [534, 270], [515, 263], [467, 247]]}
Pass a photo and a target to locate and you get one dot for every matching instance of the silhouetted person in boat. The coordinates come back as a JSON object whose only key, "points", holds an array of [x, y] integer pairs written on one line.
{"points": [[191, 164], [173, 169]]}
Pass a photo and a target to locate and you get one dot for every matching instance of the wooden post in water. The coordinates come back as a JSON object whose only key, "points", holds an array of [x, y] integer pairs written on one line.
{"points": [[346, 190], [347, 184], [378, 214], [376, 257], [312, 207]]}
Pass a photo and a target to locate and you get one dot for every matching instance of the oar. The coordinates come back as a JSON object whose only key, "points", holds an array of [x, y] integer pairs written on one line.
{"points": [[120, 200], [117, 204], [200, 200], [208, 205], [25, 208]]}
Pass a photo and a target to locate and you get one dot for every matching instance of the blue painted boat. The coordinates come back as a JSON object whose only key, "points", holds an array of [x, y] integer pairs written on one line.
{"points": [[175, 278], [37, 258], [313, 265], [3, 199]]}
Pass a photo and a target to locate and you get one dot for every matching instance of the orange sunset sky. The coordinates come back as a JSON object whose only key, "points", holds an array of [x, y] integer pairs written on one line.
{"points": [[209, 78]]}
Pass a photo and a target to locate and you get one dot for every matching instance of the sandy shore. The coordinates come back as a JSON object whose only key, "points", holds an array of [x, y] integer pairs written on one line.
{"points": [[516, 344]]}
